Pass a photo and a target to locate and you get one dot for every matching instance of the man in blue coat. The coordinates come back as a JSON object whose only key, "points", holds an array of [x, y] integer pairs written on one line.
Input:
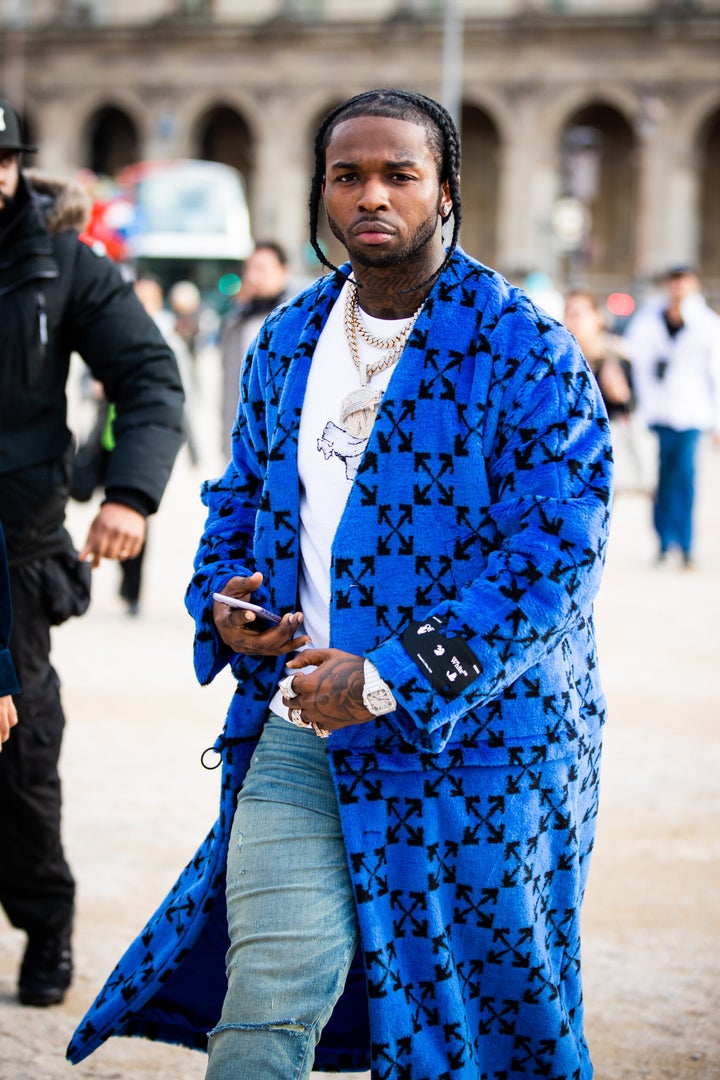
{"points": [[420, 486]]}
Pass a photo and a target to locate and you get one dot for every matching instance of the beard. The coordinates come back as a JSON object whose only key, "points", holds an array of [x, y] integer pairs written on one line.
{"points": [[7, 203], [373, 257]]}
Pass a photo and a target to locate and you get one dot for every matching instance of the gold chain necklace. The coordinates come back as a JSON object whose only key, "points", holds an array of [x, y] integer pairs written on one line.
{"points": [[358, 409], [354, 328]]}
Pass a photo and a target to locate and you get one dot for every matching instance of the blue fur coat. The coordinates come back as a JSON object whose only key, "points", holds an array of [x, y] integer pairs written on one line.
{"points": [[478, 515]]}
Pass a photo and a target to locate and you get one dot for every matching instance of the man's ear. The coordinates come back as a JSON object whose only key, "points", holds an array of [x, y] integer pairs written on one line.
{"points": [[445, 202]]}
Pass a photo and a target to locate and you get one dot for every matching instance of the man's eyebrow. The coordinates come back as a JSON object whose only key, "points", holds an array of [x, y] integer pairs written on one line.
{"points": [[405, 163]]}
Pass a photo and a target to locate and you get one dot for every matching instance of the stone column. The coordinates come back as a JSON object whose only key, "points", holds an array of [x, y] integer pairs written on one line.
{"points": [[60, 136], [167, 136], [651, 179], [527, 189], [682, 225], [282, 178], [667, 226]]}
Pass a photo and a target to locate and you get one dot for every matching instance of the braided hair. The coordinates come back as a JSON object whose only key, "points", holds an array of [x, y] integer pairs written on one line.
{"points": [[443, 141]]}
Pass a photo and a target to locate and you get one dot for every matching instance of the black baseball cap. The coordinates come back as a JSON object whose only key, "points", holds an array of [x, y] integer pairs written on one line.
{"points": [[11, 129]]}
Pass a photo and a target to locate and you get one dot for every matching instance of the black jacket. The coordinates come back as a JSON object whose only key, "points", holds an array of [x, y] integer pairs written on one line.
{"points": [[58, 296], [8, 678]]}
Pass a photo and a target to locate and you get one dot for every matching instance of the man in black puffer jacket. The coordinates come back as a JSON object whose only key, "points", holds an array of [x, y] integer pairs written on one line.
{"points": [[58, 296], [8, 679]]}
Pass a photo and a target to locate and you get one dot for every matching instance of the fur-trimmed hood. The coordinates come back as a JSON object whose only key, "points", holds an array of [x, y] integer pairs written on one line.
{"points": [[65, 203]]}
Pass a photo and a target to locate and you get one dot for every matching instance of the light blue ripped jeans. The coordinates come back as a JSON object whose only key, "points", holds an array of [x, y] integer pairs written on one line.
{"points": [[291, 914]]}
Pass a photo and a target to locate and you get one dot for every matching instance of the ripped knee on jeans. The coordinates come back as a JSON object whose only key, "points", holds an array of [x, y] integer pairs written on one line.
{"points": [[293, 1027]]}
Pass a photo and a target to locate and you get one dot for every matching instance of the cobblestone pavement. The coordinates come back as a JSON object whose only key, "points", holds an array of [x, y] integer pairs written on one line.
{"points": [[137, 801]]}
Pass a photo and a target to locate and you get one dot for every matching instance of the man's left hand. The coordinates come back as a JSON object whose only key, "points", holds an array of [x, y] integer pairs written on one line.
{"points": [[331, 695], [8, 717], [118, 532]]}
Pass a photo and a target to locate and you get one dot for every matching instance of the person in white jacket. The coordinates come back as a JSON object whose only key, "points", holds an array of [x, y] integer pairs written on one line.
{"points": [[674, 345]]}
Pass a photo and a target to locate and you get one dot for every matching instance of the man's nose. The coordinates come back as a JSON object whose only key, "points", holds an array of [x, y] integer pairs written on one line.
{"points": [[374, 195]]}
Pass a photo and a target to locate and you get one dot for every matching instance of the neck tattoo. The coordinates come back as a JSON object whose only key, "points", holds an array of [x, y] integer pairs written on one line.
{"points": [[358, 409]]}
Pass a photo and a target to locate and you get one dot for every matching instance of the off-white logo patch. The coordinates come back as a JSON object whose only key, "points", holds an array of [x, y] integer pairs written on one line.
{"points": [[3, 125], [449, 676]]}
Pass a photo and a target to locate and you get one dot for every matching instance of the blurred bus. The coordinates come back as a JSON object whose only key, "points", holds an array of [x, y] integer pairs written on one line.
{"points": [[181, 220]]}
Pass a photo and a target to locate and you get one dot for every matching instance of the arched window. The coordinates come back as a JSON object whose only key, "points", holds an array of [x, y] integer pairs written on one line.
{"points": [[113, 141], [709, 159], [479, 181], [223, 135], [599, 169]]}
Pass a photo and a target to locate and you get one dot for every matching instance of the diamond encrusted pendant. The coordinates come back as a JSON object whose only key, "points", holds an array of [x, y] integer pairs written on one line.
{"points": [[358, 409]]}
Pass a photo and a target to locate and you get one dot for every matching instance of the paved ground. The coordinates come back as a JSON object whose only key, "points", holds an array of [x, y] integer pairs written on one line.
{"points": [[138, 802]]}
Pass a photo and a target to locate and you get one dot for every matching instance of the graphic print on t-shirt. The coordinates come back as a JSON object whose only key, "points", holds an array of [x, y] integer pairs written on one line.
{"points": [[335, 440], [335, 387]]}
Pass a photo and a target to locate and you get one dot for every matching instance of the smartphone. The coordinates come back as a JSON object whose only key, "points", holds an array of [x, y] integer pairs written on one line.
{"points": [[261, 612]]}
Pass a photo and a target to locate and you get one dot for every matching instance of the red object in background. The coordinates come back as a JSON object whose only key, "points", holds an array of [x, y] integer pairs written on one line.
{"points": [[108, 221], [620, 304]]}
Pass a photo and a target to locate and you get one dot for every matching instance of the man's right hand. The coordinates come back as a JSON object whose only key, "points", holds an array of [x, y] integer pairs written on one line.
{"points": [[116, 532], [240, 629], [8, 718]]}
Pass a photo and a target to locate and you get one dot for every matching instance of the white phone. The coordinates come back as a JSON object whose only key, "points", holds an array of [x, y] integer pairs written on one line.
{"points": [[261, 612]]}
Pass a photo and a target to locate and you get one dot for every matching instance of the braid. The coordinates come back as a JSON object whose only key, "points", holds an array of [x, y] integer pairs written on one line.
{"points": [[443, 140], [316, 187]]}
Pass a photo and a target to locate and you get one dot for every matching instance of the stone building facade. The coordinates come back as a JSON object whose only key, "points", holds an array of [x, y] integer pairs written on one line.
{"points": [[591, 128]]}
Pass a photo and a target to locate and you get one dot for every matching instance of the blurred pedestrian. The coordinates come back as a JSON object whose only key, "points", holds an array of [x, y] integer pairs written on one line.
{"points": [[8, 678], [605, 353], [674, 345], [92, 457], [186, 304], [263, 286], [608, 358], [149, 291], [422, 462], [58, 296]]}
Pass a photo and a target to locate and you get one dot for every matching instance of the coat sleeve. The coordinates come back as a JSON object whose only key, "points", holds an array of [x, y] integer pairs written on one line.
{"points": [[528, 574], [226, 543], [8, 678], [126, 352], [233, 501]]}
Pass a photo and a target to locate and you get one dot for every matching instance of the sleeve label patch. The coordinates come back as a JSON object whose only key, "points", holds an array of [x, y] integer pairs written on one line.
{"points": [[448, 663]]}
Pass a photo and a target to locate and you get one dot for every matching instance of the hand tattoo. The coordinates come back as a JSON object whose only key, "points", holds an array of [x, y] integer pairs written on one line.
{"points": [[339, 690]]}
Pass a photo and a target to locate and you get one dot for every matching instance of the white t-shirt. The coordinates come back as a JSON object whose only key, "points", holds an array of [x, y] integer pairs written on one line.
{"points": [[328, 458]]}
